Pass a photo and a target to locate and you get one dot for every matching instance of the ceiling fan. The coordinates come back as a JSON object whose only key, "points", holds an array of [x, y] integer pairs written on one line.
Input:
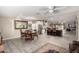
{"points": [[51, 10]]}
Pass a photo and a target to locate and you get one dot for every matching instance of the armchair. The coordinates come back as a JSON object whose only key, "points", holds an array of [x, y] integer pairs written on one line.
{"points": [[1, 44], [74, 47]]}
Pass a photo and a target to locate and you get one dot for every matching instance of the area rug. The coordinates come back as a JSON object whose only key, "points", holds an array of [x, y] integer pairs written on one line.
{"points": [[51, 47]]}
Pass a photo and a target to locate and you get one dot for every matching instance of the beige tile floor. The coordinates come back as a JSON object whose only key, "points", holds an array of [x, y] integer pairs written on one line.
{"points": [[21, 46]]}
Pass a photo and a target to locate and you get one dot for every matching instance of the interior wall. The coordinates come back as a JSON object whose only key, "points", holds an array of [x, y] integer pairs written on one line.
{"points": [[78, 27], [0, 26], [7, 28]]}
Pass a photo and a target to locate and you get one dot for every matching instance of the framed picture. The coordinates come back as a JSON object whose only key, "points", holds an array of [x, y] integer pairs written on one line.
{"points": [[21, 24]]}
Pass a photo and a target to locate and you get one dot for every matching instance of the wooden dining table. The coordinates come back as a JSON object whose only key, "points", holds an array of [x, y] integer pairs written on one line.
{"points": [[29, 35]]}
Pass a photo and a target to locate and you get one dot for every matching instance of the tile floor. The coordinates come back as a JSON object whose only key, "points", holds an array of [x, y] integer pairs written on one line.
{"points": [[21, 46]]}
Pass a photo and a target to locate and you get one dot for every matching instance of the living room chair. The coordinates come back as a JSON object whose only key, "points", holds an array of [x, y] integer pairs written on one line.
{"points": [[1, 44], [74, 47]]}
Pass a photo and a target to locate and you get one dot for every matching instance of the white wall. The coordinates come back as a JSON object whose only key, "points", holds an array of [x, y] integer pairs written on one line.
{"points": [[7, 28], [0, 26], [78, 27]]}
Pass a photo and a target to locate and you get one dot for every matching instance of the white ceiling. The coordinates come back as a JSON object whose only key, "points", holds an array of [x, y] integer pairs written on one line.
{"points": [[29, 10], [14, 11], [19, 10]]}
